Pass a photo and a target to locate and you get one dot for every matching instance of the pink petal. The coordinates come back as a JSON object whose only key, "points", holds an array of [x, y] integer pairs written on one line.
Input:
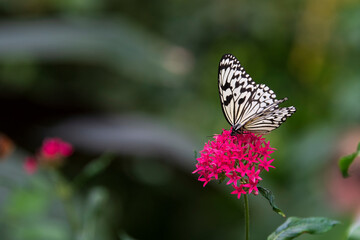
{"points": [[30, 165]]}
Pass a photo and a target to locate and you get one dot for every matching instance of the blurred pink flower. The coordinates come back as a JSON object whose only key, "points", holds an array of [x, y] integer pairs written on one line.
{"points": [[55, 148], [239, 158], [30, 165], [52, 154]]}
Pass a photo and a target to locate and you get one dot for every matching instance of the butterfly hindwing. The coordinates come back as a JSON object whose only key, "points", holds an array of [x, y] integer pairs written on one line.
{"points": [[269, 121], [261, 98], [247, 105]]}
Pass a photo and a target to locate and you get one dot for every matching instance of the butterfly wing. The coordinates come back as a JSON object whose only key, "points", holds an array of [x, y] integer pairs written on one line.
{"points": [[269, 120], [235, 87], [262, 99], [241, 98]]}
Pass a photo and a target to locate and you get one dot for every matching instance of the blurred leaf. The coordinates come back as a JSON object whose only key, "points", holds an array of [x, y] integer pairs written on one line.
{"points": [[41, 230], [22, 80], [96, 213], [294, 227], [125, 236], [79, 6], [271, 198], [93, 168], [152, 172], [354, 233], [96, 200], [115, 43], [130, 134], [345, 162], [26, 203]]}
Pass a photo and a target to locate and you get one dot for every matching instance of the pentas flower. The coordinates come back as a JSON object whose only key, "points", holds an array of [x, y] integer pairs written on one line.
{"points": [[238, 159], [30, 165], [55, 148], [52, 153]]}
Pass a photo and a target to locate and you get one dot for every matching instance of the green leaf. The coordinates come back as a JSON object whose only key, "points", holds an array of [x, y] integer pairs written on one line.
{"points": [[25, 203], [129, 45], [271, 198], [97, 213], [93, 168], [41, 229], [354, 232], [294, 227], [124, 236], [345, 162]]}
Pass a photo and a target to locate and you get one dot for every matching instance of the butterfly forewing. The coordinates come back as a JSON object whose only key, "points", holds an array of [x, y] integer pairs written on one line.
{"points": [[245, 104], [235, 87]]}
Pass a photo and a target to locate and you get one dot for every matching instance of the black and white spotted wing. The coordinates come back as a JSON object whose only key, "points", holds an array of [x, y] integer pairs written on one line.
{"points": [[246, 105]]}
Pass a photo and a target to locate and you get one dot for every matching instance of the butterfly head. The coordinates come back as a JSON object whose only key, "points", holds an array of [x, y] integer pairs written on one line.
{"points": [[233, 132], [236, 129]]}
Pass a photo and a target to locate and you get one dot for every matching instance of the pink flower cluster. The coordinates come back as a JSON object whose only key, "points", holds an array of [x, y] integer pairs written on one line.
{"points": [[55, 148], [239, 158], [52, 152]]}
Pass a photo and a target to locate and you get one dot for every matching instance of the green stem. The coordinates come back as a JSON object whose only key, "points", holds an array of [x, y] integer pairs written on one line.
{"points": [[247, 216], [65, 193], [69, 209]]}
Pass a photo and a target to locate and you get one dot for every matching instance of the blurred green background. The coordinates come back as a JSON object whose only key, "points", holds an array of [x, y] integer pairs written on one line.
{"points": [[138, 79]]}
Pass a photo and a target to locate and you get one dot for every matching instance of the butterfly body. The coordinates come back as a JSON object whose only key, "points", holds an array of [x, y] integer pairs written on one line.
{"points": [[248, 106]]}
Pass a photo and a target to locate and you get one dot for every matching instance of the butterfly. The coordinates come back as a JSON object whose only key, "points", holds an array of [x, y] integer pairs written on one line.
{"points": [[248, 106]]}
